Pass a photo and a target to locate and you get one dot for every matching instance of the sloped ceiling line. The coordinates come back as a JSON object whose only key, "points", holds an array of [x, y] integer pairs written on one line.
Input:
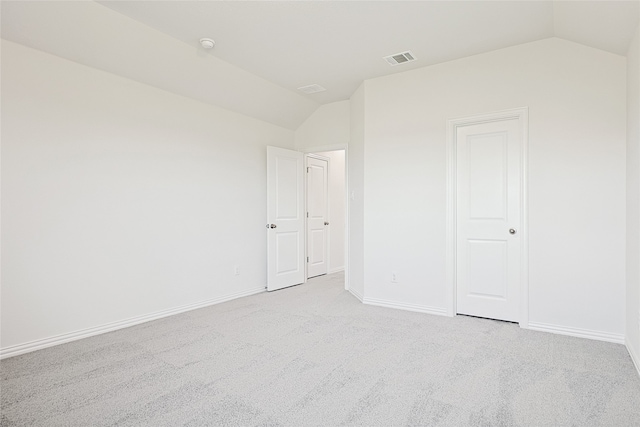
{"points": [[265, 50]]}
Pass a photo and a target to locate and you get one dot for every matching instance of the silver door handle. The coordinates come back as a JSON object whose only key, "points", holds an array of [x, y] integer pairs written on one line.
{"points": [[271, 226], [326, 223], [512, 231]]}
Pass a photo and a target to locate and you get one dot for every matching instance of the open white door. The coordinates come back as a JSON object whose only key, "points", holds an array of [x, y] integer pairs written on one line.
{"points": [[285, 218], [317, 215]]}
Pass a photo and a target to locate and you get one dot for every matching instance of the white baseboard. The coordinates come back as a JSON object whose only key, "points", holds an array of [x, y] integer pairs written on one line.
{"points": [[577, 332], [335, 270], [635, 355], [356, 294], [406, 306], [634, 351], [18, 349]]}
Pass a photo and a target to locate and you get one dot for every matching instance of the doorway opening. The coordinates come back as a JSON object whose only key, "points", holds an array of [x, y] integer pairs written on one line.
{"points": [[287, 250]]}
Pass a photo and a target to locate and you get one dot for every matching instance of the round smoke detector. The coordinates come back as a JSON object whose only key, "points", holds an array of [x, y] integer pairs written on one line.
{"points": [[207, 43]]}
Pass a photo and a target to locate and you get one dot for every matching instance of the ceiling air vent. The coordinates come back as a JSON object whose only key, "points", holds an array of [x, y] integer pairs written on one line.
{"points": [[311, 89], [400, 58]]}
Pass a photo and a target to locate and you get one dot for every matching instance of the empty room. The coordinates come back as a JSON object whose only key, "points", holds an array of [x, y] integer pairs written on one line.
{"points": [[320, 213]]}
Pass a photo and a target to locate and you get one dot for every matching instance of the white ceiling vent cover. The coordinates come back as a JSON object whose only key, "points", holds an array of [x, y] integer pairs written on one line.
{"points": [[400, 58], [311, 89]]}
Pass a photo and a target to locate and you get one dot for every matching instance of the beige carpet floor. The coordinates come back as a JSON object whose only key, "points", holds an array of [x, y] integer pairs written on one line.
{"points": [[313, 355]]}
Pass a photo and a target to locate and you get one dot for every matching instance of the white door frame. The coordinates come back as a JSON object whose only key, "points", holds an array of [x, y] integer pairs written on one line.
{"points": [[345, 148], [306, 206], [522, 115]]}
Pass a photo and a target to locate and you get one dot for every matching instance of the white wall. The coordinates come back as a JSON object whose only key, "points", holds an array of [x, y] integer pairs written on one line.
{"points": [[577, 114], [121, 200], [337, 214], [328, 126], [633, 199], [355, 171]]}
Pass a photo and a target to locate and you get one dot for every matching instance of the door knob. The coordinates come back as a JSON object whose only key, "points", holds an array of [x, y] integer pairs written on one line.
{"points": [[512, 231], [271, 226], [326, 223]]}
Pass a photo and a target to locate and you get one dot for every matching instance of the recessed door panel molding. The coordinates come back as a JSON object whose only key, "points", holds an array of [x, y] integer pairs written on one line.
{"points": [[317, 215], [317, 201], [287, 184], [487, 257], [316, 247], [485, 272], [287, 248], [285, 218], [487, 175]]}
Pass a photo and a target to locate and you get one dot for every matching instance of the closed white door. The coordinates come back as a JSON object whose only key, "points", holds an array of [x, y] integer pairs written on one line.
{"points": [[285, 218], [488, 218], [317, 216]]}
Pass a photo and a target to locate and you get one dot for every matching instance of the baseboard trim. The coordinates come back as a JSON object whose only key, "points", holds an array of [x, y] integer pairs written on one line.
{"points": [[635, 355], [577, 332], [28, 347], [438, 311], [356, 294], [335, 270]]}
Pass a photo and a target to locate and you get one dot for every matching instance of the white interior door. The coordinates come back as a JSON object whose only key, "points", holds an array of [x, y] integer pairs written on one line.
{"points": [[285, 218], [488, 218], [317, 216]]}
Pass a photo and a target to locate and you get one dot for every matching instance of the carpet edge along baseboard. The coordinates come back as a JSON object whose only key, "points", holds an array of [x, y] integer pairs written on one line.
{"points": [[18, 349]]}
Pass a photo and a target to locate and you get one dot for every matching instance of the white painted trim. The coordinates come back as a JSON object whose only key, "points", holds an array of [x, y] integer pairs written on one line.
{"points": [[522, 115], [577, 332], [336, 270], [318, 156], [346, 218], [356, 294], [18, 349], [405, 306], [635, 355], [320, 148]]}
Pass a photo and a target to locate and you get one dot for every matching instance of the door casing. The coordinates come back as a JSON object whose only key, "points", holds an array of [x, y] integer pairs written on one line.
{"points": [[522, 115]]}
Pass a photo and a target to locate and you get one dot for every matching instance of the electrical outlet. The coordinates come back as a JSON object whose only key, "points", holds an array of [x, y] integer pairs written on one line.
{"points": [[237, 270], [394, 277]]}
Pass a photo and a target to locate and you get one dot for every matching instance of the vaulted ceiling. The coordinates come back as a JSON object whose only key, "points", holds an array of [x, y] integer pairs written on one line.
{"points": [[266, 50]]}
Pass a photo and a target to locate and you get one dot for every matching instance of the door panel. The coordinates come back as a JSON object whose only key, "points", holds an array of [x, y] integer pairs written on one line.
{"points": [[287, 183], [287, 249], [488, 206], [317, 208], [487, 175], [486, 268], [285, 218], [316, 247]]}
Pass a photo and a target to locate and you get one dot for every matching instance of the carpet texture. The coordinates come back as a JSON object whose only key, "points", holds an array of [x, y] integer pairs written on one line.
{"points": [[313, 355]]}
